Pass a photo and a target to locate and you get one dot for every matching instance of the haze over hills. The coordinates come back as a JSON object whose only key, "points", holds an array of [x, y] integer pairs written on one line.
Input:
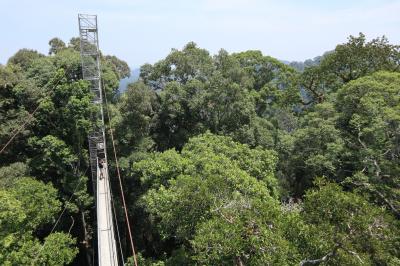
{"points": [[298, 65], [123, 84]]}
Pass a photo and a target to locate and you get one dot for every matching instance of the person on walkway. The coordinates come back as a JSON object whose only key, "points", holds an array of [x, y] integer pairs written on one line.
{"points": [[101, 168]]}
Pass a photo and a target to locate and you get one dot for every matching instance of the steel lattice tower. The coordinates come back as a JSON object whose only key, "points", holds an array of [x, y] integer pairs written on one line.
{"points": [[90, 57]]}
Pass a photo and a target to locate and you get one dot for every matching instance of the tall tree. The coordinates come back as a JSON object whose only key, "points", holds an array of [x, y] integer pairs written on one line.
{"points": [[56, 45], [370, 119], [349, 61]]}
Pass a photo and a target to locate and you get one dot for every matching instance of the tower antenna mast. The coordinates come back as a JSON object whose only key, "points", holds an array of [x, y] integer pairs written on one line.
{"points": [[90, 58]]}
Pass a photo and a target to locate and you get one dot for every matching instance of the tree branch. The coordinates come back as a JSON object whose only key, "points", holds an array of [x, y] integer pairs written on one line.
{"points": [[329, 255], [373, 160], [72, 225], [354, 254], [318, 261], [318, 96], [367, 186]]}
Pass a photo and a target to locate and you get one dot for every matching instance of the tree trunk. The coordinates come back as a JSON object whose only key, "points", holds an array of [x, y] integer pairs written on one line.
{"points": [[86, 241], [238, 261]]}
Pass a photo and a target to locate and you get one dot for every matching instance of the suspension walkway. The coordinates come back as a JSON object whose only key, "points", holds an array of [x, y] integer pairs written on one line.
{"points": [[105, 233]]}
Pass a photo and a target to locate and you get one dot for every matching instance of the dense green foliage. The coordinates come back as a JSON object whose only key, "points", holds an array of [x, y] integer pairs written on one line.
{"points": [[230, 159], [52, 148], [26, 206]]}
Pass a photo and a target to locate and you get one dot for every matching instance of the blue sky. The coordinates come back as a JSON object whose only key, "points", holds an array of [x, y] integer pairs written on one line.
{"points": [[140, 31]]}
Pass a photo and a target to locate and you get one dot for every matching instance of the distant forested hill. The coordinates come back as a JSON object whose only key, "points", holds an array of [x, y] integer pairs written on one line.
{"points": [[300, 66], [123, 84]]}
